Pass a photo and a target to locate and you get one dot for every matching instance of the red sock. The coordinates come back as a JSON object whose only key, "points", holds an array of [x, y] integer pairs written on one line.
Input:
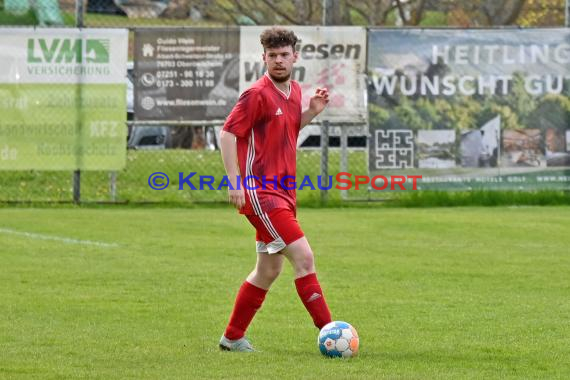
{"points": [[248, 301], [311, 294]]}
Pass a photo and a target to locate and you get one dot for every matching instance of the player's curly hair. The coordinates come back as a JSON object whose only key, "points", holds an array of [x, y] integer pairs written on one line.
{"points": [[278, 37]]}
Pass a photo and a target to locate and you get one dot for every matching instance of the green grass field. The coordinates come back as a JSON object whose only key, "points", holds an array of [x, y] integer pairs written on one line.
{"points": [[135, 293]]}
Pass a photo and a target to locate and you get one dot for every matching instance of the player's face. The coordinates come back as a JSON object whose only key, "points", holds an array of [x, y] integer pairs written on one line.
{"points": [[279, 62]]}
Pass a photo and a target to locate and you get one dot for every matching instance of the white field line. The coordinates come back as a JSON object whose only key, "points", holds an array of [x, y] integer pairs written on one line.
{"points": [[36, 236]]}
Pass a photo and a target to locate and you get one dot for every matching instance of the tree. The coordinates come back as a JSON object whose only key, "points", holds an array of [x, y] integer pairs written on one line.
{"points": [[481, 12], [542, 13], [310, 12], [408, 116], [552, 111], [464, 13], [509, 119], [410, 12], [177, 9], [505, 12], [266, 12], [518, 99], [371, 12]]}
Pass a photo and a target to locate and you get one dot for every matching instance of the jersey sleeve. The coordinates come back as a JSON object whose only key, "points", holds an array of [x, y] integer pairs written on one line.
{"points": [[245, 113]]}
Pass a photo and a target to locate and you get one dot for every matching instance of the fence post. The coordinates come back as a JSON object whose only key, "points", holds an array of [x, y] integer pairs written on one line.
{"points": [[567, 14], [77, 173], [344, 157], [113, 185], [327, 19], [79, 13], [324, 159]]}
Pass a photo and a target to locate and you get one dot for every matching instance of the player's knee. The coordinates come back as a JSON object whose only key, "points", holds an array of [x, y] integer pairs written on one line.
{"points": [[306, 264], [270, 272], [274, 272]]}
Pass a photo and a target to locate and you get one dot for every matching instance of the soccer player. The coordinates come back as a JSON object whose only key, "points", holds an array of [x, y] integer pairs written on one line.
{"points": [[259, 144]]}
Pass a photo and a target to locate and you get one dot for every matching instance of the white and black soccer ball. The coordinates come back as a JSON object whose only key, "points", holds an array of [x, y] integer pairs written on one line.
{"points": [[338, 339]]}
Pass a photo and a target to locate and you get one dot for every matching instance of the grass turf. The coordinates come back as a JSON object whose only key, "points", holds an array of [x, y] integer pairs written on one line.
{"points": [[434, 293]]}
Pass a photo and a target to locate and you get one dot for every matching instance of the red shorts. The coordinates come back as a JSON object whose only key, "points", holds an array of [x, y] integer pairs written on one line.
{"points": [[275, 230]]}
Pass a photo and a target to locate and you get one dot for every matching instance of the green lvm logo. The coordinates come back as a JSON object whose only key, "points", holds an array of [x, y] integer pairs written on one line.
{"points": [[68, 50]]}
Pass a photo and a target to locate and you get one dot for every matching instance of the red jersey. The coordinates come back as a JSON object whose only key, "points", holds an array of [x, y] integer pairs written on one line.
{"points": [[266, 123]]}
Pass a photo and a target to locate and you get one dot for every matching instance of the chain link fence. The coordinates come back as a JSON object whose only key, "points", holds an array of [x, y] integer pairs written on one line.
{"points": [[131, 185], [175, 149], [180, 149]]}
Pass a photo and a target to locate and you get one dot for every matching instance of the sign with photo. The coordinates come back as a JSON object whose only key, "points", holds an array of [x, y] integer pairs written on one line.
{"points": [[471, 108]]}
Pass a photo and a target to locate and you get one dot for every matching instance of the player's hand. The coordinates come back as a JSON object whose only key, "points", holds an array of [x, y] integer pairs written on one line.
{"points": [[319, 101], [236, 197]]}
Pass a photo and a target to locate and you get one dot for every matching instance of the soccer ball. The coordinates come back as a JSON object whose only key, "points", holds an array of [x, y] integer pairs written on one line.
{"points": [[338, 339]]}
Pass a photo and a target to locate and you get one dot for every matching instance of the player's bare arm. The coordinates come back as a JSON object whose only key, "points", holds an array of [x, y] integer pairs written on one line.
{"points": [[229, 156], [317, 104]]}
